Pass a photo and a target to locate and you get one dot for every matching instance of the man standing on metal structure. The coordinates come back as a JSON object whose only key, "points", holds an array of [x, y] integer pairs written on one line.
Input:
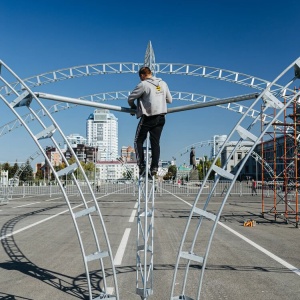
{"points": [[152, 96]]}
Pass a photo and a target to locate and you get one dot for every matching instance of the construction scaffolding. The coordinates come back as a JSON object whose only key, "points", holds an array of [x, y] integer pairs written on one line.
{"points": [[279, 149]]}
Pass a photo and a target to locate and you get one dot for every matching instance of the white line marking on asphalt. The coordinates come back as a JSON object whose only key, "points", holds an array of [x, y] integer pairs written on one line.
{"points": [[122, 247], [136, 205], [42, 221], [275, 257], [26, 204], [265, 251], [32, 225], [131, 219], [53, 199]]}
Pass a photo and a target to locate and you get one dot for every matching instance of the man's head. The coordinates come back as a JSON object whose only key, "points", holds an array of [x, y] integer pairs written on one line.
{"points": [[144, 73]]}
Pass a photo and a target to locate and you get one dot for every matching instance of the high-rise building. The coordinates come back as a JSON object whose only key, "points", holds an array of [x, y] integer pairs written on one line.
{"points": [[102, 132]]}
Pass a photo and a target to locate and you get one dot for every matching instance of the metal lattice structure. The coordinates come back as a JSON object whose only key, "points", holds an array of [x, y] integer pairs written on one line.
{"points": [[196, 251], [145, 232], [17, 95], [282, 153], [88, 212]]}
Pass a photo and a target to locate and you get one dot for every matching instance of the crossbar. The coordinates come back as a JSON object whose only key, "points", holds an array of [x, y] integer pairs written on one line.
{"points": [[129, 110]]}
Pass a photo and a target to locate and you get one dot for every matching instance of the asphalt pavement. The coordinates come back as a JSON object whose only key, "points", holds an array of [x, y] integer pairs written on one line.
{"points": [[41, 258]]}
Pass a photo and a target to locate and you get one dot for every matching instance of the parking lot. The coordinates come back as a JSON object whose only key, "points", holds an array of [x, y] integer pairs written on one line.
{"points": [[41, 259]]}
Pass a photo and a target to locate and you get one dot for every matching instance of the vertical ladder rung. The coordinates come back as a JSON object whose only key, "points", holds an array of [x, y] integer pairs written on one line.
{"points": [[205, 213], [191, 256], [222, 172], [96, 255], [85, 212], [272, 100], [67, 170], [244, 134], [46, 133], [23, 99]]}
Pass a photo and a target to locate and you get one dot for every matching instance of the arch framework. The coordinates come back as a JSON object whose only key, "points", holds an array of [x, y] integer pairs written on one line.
{"points": [[87, 212], [196, 251], [16, 94]]}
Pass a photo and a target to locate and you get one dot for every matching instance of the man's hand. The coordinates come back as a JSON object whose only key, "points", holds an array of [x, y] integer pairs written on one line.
{"points": [[133, 107]]}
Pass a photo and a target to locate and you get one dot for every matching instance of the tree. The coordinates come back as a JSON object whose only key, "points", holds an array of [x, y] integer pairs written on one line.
{"points": [[39, 174], [27, 173], [13, 170], [6, 167], [204, 166], [173, 170]]}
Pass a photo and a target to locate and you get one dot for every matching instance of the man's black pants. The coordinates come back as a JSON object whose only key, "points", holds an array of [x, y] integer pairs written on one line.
{"points": [[154, 125]]}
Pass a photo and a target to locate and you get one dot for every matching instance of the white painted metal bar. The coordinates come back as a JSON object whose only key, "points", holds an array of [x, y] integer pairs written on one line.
{"points": [[46, 133], [246, 134], [94, 235], [145, 226], [68, 170], [19, 101], [213, 103], [85, 212], [129, 110], [200, 240], [272, 101], [84, 102]]}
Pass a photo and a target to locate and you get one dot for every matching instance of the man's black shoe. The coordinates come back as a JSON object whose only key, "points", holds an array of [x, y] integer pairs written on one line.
{"points": [[154, 171]]}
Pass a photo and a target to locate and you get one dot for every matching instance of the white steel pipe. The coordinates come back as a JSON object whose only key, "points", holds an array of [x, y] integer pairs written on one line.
{"points": [[129, 110]]}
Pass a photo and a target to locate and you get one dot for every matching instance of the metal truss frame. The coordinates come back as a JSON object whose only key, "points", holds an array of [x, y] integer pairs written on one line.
{"points": [[195, 251], [88, 212], [145, 231], [131, 68], [207, 216]]}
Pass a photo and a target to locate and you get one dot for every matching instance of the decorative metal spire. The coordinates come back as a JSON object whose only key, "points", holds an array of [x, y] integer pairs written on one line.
{"points": [[149, 60]]}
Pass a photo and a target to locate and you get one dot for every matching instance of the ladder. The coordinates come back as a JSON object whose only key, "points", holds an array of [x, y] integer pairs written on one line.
{"points": [[145, 226], [86, 217], [204, 218]]}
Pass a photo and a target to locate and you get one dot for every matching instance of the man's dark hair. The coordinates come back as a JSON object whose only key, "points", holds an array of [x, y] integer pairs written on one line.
{"points": [[145, 71]]}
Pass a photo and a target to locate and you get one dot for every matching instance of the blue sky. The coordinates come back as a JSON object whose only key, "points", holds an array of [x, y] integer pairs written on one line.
{"points": [[258, 38]]}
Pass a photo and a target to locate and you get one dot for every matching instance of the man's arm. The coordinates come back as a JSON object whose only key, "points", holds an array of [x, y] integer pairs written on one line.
{"points": [[135, 94], [168, 95]]}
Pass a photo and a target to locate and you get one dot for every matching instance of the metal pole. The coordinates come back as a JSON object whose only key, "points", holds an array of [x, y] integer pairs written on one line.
{"points": [[129, 110], [256, 171]]}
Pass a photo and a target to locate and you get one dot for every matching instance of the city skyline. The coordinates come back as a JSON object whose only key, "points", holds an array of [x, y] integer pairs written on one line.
{"points": [[254, 39]]}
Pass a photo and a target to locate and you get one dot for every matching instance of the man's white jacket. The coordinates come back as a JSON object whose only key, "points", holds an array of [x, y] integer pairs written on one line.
{"points": [[152, 96]]}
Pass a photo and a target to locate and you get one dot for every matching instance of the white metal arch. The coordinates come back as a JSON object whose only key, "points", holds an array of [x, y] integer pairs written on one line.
{"points": [[89, 212], [131, 67], [196, 250], [270, 91]]}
